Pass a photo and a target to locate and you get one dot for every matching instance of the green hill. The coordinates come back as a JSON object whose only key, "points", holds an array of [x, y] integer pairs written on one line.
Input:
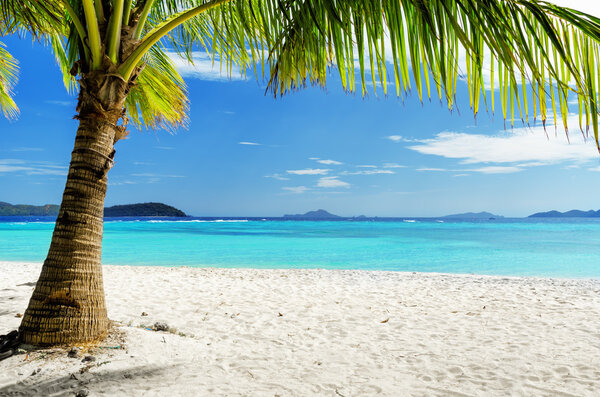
{"points": [[141, 209], [7, 209]]}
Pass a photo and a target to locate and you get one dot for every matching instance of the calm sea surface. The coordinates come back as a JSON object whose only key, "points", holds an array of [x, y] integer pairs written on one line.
{"points": [[519, 247]]}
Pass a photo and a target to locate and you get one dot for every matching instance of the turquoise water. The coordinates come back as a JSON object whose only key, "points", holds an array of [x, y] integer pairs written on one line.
{"points": [[553, 248]]}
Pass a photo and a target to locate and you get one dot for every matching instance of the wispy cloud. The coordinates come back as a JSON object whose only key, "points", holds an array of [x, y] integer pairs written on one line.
{"points": [[309, 171], [122, 183], [203, 68], [164, 147], [481, 170], [368, 172], [331, 182], [61, 103], [393, 165], [395, 138], [524, 145], [366, 166], [249, 143], [279, 177], [31, 167], [27, 149], [151, 175], [497, 170], [422, 169], [295, 189], [329, 162]]}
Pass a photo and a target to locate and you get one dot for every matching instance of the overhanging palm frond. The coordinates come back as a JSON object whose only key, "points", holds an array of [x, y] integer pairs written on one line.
{"points": [[34, 16], [8, 79], [539, 52], [43, 20], [159, 97]]}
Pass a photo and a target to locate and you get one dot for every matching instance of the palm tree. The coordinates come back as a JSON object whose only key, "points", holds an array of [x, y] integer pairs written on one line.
{"points": [[120, 50]]}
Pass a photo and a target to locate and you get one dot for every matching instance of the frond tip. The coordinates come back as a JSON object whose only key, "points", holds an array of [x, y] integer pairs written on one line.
{"points": [[159, 97], [8, 78]]}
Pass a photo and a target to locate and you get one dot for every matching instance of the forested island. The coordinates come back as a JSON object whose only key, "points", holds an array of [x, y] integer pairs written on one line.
{"points": [[568, 214], [7, 209], [140, 209]]}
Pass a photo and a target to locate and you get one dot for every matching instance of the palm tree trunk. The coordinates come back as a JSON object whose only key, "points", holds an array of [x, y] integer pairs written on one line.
{"points": [[68, 305]]}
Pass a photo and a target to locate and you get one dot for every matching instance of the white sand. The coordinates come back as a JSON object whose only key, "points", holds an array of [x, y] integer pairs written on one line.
{"points": [[447, 335]]}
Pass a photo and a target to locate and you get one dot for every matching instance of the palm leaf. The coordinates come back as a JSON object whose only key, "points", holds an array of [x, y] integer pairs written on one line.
{"points": [[8, 79], [159, 97], [535, 43]]}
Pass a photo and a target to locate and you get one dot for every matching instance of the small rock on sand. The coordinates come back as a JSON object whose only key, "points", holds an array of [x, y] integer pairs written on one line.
{"points": [[160, 326], [73, 353]]}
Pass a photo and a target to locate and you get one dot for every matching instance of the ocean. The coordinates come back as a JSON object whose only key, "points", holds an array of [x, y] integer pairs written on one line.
{"points": [[513, 247]]}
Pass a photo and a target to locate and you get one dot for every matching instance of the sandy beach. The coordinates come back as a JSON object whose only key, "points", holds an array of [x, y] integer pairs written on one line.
{"points": [[245, 332]]}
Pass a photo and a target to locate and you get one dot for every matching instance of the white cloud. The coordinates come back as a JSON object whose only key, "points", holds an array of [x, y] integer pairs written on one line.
{"points": [[313, 158], [395, 138], [151, 175], [497, 170], [369, 172], [249, 143], [295, 189], [27, 149], [530, 145], [432, 169], [587, 6], [482, 170], [31, 168], [122, 183], [203, 67], [278, 177], [393, 165], [309, 171], [61, 103], [331, 181], [329, 162], [366, 166], [595, 169]]}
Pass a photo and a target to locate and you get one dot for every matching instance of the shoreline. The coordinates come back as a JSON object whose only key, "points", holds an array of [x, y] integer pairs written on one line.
{"points": [[321, 269], [319, 332]]}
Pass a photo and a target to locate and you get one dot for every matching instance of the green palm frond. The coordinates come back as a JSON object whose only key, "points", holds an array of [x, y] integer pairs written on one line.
{"points": [[539, 51], [64, 59], [8, 79], [159, 97], [34, 16]]}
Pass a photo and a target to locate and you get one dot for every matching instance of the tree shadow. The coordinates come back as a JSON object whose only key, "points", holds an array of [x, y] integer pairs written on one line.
{"points": [[70, 384]]}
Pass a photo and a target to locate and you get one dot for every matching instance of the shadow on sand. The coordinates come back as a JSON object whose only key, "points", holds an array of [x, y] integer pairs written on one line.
{"points": [[109, 381]]}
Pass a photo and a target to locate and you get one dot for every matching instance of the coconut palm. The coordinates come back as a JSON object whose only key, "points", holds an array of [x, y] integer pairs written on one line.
{"points": [[121, 50]]}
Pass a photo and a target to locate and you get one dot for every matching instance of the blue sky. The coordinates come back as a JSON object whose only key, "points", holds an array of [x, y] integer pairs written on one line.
{"points": [[248, 154]]}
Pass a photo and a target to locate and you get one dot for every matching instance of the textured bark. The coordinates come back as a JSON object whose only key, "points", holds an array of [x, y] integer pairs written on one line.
{"points": [[68, 303]]}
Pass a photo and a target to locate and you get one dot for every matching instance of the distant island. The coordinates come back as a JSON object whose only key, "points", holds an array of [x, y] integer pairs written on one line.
{"points": [[7, 209], [141, 209], [312, 215], [568, 214], [473, 215]]}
